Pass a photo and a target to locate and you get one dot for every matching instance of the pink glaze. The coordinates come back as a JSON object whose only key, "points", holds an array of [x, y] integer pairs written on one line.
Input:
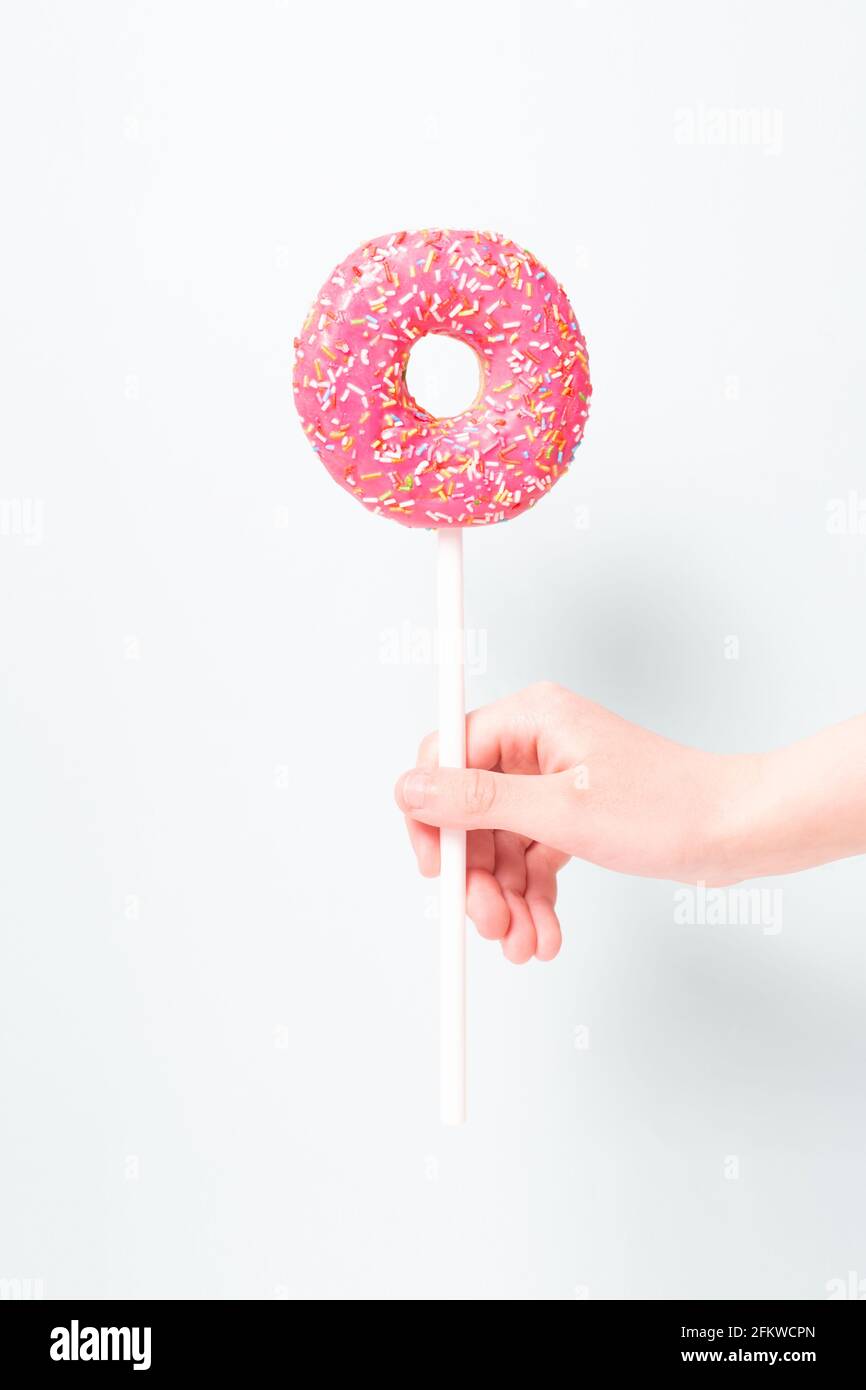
{"points": [[498, 457]]}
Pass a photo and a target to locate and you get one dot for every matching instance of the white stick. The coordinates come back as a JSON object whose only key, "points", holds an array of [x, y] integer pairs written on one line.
{"points": [[452, 885]]}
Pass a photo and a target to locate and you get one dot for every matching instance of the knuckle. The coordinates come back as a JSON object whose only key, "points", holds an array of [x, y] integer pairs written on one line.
{"points": [[544, 691], [479, 792]]}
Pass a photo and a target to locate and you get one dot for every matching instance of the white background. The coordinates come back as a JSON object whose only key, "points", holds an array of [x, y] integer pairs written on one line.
{"points": [[218, 993]]}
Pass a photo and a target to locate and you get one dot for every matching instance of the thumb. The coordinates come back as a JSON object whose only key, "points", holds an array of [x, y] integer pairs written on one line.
{"points": [[475, 799]]}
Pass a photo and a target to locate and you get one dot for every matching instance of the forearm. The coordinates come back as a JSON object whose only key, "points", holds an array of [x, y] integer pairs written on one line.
{"points": [[796, 807]]}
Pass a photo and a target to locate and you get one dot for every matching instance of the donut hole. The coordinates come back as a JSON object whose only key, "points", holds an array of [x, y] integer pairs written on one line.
{"points": [[443, 375]]}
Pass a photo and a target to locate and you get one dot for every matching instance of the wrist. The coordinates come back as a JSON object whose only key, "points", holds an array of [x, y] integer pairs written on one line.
{"points": [[735, 820], [783, 811]]}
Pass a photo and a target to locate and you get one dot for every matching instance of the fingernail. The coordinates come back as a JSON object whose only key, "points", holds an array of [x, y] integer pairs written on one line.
{"points": [[415, 788]]}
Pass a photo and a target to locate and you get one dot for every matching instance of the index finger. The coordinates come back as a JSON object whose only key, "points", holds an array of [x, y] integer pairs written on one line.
{"points": [[503, 734]]}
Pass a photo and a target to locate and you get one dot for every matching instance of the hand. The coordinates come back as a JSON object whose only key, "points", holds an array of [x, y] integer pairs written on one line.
{"points": [[553, 775]]}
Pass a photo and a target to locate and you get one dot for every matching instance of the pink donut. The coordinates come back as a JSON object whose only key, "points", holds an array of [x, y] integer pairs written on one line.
{"points": [[507, 450]]}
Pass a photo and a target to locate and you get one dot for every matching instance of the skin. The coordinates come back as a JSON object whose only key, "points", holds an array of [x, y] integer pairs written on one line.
{"points": [[551, 776]]}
